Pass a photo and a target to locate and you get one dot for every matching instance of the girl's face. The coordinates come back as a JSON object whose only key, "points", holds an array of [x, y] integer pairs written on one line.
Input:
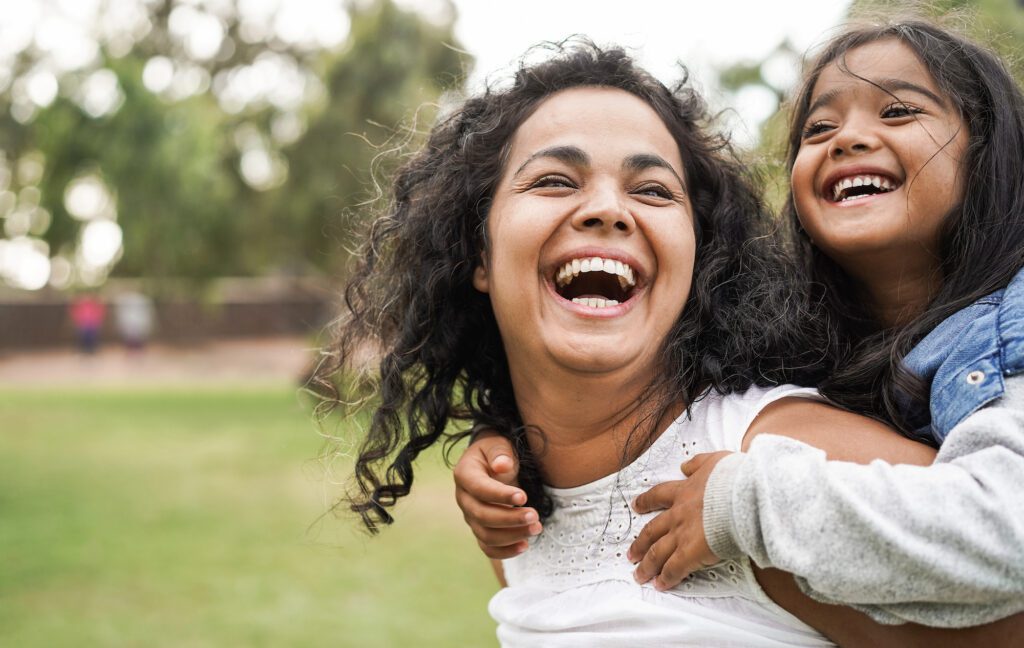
{"points": [[880, 161], [591, 236]]}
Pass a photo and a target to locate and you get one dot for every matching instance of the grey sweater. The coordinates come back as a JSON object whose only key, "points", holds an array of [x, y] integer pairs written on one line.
{"points": [[941, 545]]}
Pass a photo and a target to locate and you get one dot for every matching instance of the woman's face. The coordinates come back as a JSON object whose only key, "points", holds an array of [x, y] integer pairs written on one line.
{"points": [[879, 165], [591, 239]]}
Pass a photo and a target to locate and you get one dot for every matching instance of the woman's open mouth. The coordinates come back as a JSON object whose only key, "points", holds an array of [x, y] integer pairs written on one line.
{"points": [[858, 186], [597, 282]]}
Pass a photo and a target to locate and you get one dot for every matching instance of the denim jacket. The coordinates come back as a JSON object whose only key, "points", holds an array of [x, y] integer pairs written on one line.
{"points": [[967, 356]]}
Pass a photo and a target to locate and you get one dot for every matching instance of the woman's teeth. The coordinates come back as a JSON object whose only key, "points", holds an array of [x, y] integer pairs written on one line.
{"points": [[576, 267], [841, 191], [594, 302]]}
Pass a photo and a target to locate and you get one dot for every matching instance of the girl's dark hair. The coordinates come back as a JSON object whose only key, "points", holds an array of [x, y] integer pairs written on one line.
{"points": [[982, 238], [412, 303]]}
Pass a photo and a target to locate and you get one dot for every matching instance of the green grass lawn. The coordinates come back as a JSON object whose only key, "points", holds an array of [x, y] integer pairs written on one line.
{"points": [[193, 518]]}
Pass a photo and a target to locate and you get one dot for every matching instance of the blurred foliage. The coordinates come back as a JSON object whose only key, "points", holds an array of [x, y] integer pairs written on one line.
{"points": [[176, 164], [393, 62]]}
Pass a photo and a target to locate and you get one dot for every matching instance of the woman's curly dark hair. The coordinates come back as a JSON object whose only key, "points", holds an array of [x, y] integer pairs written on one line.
{"points": [[412, 301], [982, 239]]}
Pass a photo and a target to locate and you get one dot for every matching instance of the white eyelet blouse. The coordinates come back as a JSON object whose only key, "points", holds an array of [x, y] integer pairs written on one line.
{"points": [[574, 585]]}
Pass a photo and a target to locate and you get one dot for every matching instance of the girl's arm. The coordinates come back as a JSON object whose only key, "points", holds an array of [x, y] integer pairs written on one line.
{"points": [[491, 502], [941, 545], [676, 542]]}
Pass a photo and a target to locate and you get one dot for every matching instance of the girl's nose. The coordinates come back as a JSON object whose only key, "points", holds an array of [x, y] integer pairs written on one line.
{"points": [[604, 210], [852, 138], [837, 150]]}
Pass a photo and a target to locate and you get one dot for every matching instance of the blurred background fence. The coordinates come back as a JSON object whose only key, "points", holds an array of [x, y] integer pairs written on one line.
{"points": [[244, 307]]}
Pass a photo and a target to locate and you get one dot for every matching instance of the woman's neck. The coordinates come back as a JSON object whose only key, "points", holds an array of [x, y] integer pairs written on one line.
{"points": [[585, 421]]}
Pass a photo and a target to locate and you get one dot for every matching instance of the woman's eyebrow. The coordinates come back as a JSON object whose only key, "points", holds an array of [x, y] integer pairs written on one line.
{"points": [[572, 155], [642, 161]]}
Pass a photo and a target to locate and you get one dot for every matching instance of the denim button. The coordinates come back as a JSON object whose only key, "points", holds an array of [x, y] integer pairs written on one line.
{"points": [[975, 377]]}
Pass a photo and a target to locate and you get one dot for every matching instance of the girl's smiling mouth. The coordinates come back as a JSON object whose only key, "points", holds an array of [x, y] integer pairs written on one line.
{"points": [[852, 184]]}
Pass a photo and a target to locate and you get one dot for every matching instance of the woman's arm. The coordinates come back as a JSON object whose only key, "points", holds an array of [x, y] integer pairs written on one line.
{"points": [[499, 572], [848, 627]]}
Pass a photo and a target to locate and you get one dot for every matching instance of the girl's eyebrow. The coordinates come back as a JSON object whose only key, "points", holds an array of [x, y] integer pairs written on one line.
{"points": [[575, 156], [888, 85]]}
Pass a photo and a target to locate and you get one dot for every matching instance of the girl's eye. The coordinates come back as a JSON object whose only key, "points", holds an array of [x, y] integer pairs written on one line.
{"points": [[899, 109], [815, 128], [553, 182], [654, 191]]}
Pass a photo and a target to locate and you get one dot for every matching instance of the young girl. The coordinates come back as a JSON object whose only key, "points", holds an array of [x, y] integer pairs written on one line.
{"points": [[907, 159]]}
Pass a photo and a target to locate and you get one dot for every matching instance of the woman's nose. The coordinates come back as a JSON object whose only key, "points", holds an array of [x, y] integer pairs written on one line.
{"points": [[605, 209]]}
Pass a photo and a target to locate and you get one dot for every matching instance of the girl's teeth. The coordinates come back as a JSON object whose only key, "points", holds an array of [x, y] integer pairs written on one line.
{"points": [[881, 183]]}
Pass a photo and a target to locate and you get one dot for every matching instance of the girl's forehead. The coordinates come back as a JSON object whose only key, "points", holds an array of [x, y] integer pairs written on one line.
{"points": [[881, 64]]}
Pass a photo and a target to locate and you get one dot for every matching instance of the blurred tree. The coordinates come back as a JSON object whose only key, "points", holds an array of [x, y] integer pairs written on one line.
{"points": [[393, 62], [201, 141]]}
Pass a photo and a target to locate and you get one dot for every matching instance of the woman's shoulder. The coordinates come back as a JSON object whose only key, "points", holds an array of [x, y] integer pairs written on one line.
{"points": [[727, 417]]}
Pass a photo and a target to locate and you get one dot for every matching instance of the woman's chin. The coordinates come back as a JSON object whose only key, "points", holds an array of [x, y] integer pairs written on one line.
{"points": [[602, 356]]}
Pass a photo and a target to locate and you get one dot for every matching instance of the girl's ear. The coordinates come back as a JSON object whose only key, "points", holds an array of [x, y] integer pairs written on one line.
{"points": [[480, 279]]}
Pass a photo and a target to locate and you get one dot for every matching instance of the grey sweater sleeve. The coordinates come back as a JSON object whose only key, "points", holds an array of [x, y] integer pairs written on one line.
{"points": [[941, 545]]}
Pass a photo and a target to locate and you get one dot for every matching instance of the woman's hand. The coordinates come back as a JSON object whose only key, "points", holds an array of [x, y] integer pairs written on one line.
{"points": [[672, 545], [491, 503]]}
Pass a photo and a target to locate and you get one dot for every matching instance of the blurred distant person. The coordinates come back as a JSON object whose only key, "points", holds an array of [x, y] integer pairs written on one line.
{"points": [[134, 316], [87, 313]]}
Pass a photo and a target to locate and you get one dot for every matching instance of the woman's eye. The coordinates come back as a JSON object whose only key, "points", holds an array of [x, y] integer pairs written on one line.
{"points": [[815, 128], [553, 182], [654, 191], [899, 109]]}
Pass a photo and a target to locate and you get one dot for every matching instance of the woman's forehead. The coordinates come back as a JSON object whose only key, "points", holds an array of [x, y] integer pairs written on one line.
{"points": [[597, 120]]}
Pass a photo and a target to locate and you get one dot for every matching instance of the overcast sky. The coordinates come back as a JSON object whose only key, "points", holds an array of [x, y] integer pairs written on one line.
{"points": [[703, 34]]}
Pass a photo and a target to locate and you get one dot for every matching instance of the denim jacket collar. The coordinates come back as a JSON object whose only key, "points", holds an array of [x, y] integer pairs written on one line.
{"points": [[966, 357]]}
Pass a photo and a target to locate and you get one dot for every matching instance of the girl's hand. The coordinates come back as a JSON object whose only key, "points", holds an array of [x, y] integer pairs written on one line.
{"points": [[672, 545], [491, 503]]}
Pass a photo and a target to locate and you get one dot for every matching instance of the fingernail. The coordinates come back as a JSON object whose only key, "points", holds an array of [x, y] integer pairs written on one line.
{"points": [[638, 578], [530, 517], [658, 585], [534, 529], [519, 498]]}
